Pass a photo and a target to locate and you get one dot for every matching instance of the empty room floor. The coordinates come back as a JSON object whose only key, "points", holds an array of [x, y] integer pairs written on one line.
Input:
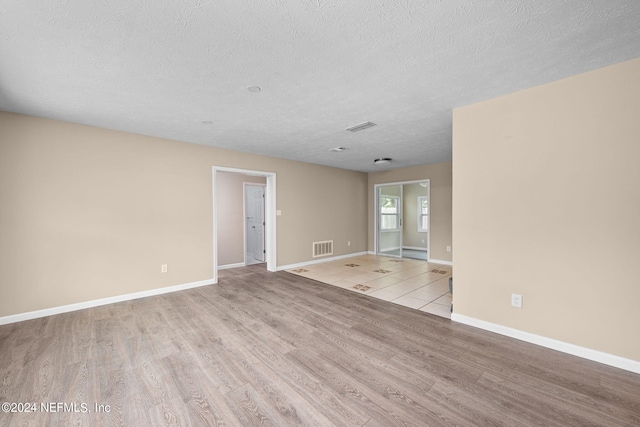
{"points": [[416, 284], [275, 349]]}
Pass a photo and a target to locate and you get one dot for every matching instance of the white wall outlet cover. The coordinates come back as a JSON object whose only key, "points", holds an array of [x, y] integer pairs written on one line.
{"points": [[516, 300]]}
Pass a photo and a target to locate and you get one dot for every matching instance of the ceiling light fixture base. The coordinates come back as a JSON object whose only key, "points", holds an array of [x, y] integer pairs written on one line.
{"points": [[382, 161]]}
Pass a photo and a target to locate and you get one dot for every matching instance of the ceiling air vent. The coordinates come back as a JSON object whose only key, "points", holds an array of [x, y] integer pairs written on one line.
{"points": [[361, 126]]}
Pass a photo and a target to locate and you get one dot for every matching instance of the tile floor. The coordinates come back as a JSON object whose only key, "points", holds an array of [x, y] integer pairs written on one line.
{"points": [[412, 283]]}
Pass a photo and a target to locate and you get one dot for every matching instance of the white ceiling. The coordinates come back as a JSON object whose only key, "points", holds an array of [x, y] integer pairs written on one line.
{"points": [[162, 67]]}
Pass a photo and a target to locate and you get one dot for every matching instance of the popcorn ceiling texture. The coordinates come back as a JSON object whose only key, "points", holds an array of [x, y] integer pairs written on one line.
{"points": [[162, 67]]}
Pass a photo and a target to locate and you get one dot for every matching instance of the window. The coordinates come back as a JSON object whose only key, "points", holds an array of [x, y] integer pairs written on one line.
{"points": [[389, 212], [423, 214]]}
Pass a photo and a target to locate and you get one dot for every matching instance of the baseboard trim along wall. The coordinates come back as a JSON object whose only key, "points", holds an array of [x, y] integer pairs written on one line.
{"points": [[439, 261], [98, 302], [318, 261], [415, 248], [236, 265], [435, 261], [585, 353]]}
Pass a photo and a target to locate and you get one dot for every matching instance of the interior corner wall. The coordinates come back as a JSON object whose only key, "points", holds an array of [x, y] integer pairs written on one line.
{"points": [[439, 176], [546, 204], [89, 213], [231, 237]]}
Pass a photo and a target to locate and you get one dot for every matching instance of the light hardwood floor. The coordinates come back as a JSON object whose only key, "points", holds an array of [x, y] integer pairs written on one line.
{"points": [[275, 349]]}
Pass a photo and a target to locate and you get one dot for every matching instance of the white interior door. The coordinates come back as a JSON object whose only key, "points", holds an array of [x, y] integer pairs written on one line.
{"points": [[389, 220], [255, 223]]}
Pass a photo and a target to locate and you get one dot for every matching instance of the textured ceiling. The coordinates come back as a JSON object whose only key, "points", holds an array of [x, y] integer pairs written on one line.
{"points": [[163, 67]]}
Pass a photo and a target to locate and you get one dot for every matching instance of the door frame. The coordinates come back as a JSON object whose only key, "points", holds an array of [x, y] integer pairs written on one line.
{"points": [[244, 214], [269, 215], [400, 229], [376, 211]]}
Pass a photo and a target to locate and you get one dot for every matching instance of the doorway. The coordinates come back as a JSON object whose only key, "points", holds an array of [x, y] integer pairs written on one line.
{"points": [[402, 219], [270, 255], [254, 247]]}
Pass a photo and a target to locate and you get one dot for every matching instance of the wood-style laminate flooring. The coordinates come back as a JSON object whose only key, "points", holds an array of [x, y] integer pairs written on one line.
{"points": [[275, 349]]}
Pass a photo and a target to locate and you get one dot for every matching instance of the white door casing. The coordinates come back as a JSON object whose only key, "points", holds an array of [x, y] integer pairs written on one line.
{"points": [[270, 216], [388, 245], [389, 213], [254, 223]]}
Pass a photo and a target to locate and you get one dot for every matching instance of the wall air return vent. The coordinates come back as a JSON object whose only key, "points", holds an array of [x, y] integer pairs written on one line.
{"points": [[361, 126], [322, 248]]}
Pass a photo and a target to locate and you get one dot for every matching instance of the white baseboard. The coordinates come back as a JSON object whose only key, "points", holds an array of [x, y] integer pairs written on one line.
{"points": [[98, 302], [415, 248], [435, 261], [236, 265], [439, 261], [318, 261], [585, 353]]}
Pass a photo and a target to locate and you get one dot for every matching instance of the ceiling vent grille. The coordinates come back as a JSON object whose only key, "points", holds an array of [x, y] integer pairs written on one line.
{"points": [[322, 248], [361, 126]]}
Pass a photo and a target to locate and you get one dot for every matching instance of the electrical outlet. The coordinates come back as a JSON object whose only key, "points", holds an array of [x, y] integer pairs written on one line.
{"points": [[348, 242], [516, 300], [163, 268], [448, 248]]}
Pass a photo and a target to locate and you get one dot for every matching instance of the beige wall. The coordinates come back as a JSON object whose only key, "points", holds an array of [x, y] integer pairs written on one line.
{"points": [[231, 214], [547, 205], [88, 213], [439, 175]]}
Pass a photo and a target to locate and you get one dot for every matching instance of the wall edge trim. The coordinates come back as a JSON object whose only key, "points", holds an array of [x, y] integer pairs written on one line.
{"points": [[227, 266], [318, 261], [564, 347], [439, 261], [29, 315]]}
